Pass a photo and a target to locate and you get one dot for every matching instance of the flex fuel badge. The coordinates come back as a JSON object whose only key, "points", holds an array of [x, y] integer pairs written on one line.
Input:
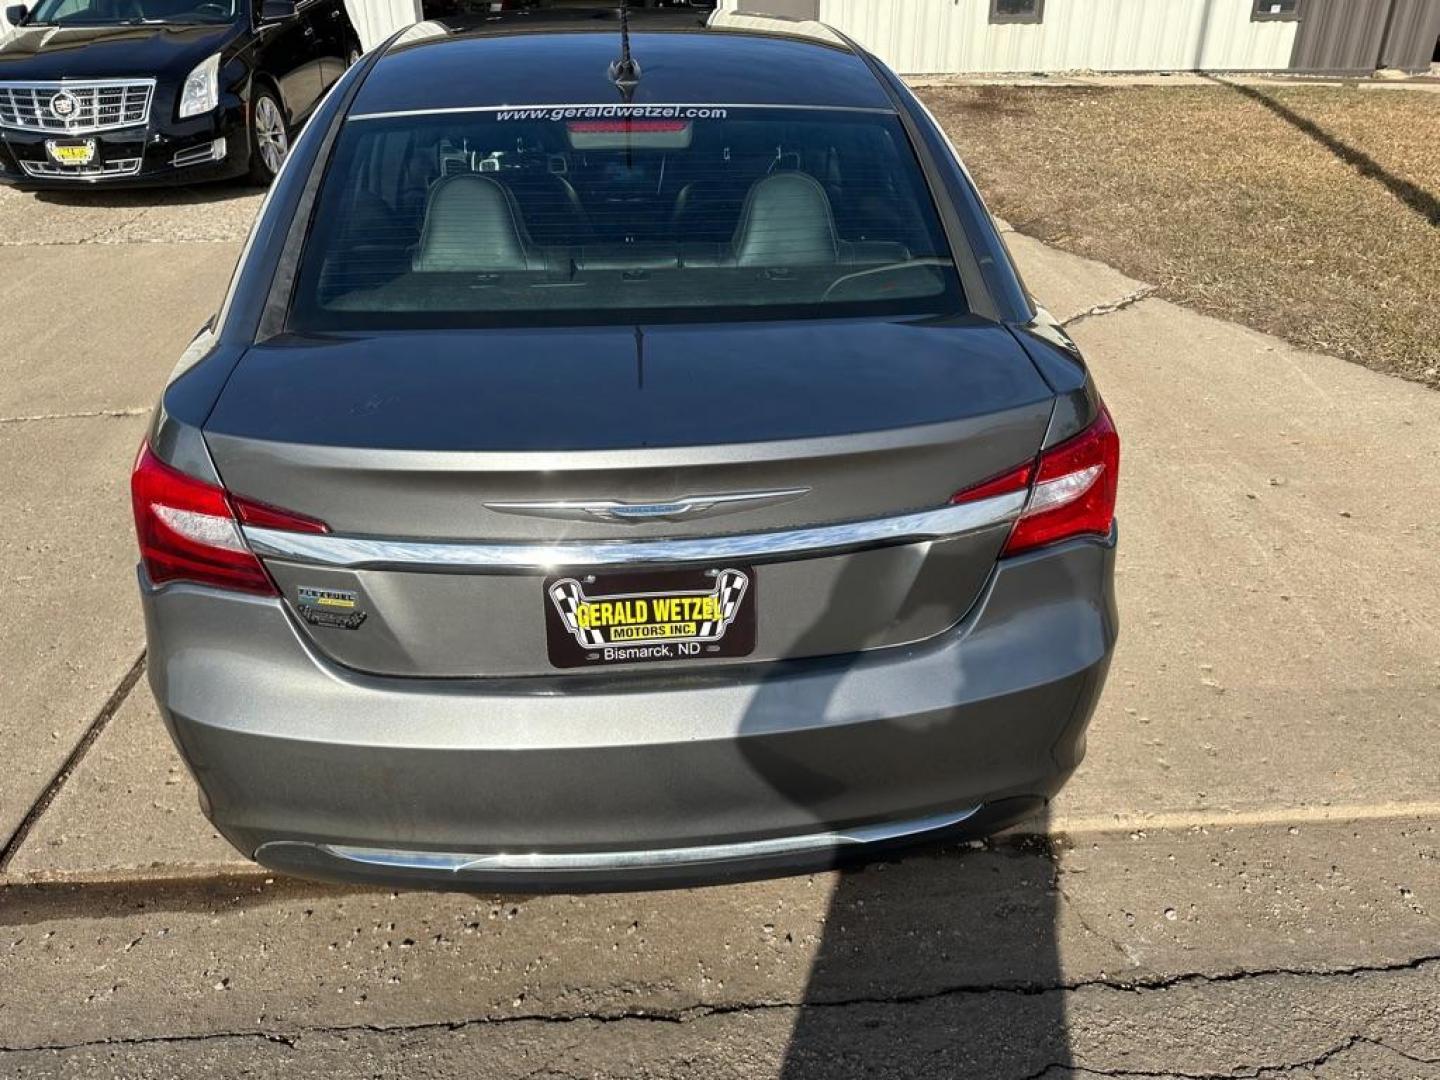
{"points": [[640, 618], [330, 607]]}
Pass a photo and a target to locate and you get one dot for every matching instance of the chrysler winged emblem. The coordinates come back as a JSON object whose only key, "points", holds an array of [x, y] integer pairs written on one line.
{"points": [[625, 513]]}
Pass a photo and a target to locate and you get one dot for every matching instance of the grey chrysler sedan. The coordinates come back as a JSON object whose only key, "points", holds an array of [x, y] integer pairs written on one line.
{"points": [[624, 460]]}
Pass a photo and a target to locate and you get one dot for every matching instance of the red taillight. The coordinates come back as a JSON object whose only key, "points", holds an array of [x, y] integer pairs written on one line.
{"points": [[1072, 489], [266, 516], [189, 530], [1017, 479]]}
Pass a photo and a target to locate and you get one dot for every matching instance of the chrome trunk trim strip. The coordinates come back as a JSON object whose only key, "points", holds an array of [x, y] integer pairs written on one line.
{"points": [[460, 862], [358, 552]]}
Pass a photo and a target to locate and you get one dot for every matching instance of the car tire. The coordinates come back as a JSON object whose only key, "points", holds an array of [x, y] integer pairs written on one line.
{"points": [[269, 136]]}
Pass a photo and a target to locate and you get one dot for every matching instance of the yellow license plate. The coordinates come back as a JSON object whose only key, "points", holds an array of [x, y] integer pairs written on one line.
{"points": [[76, 153]]}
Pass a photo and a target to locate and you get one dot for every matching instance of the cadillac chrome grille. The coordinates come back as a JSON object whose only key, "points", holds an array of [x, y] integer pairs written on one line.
{"points": [[76, 108]]}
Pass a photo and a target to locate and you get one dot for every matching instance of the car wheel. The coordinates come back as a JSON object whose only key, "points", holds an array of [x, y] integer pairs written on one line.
{"points": [[269, 137]]}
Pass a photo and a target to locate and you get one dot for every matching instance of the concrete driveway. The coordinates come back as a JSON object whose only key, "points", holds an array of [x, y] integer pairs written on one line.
{"points": [[1244, 879], [100, 293]]}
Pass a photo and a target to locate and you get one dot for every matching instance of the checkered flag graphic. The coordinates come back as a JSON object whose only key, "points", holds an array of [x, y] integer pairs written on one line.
{"points": [[568, 596], [729, 590]]}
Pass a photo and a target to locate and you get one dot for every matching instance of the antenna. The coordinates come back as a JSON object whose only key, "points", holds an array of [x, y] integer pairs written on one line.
{"points": [[625, 72]]}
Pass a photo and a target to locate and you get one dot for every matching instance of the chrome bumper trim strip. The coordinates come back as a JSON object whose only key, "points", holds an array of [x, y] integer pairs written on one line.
{"points": [[215, 150], [459, 863], [80, 173], [356, 552]]}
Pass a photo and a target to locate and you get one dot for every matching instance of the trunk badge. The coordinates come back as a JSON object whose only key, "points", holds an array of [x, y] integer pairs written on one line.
{"points": [[338, 608], [623, 513]]}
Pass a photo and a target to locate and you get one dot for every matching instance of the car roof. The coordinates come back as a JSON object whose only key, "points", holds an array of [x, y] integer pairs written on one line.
{"points": [[431, 68]]}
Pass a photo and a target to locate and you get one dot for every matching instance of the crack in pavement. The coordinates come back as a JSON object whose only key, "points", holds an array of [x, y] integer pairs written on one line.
{"points": [[106, 413], [1110, 308], [698, 1013], [1114, 942], [117, 697], [106, 234]]}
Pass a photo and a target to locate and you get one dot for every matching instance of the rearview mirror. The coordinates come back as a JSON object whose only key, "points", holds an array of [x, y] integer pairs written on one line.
{"points": [[277, 10], [15, 14]]}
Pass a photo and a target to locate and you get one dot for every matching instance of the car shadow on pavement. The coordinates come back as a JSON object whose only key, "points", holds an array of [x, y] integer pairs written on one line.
{"points": [[942, 962], [146, 197]]}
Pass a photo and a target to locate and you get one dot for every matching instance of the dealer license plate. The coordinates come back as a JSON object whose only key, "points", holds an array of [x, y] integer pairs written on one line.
{"points": [[594, 620], [77, 153]]}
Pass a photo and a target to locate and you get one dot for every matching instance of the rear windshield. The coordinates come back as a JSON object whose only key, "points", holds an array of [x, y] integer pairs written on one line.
{"points": [[614, 214]]}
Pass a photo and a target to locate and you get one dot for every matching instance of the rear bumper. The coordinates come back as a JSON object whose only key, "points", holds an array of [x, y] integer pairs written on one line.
{"points": [[636, 781]]}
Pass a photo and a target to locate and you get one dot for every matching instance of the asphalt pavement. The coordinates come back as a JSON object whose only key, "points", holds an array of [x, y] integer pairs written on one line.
{"points": [[1243, 879]]}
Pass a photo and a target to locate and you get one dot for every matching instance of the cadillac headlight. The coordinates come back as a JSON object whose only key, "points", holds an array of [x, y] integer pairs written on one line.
{"points": [[201, 91]]}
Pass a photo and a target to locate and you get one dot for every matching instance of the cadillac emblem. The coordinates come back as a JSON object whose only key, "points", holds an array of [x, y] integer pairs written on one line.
{"points": [[64, 105]]}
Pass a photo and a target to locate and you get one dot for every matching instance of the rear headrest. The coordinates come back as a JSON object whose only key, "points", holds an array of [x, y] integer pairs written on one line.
{"points": [[787, 221], [471, 226]]}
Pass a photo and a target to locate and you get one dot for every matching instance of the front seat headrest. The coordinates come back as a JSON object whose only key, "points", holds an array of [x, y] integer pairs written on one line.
{"points": [[471, 226], [786, 221]]}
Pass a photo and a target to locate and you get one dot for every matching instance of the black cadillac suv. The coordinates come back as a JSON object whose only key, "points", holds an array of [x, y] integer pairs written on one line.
{"points": [[146, 91]]}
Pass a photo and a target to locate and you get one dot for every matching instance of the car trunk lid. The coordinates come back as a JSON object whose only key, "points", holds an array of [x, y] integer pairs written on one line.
{"points": [[419, 446]]}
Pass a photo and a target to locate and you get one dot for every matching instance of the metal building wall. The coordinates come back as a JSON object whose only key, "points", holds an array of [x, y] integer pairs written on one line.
{"points": [[792, 9], [942, 36], [920, 37], [376, 20], [1339, 35], [1414, 29]]}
